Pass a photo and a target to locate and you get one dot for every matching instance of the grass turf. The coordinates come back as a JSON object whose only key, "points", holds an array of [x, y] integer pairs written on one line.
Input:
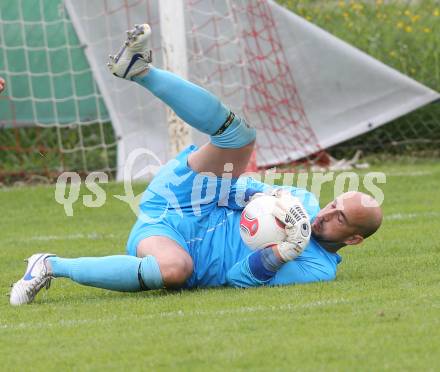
{"points": [[380, 314]]}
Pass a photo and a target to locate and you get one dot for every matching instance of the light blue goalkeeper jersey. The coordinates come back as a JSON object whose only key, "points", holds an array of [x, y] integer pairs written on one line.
{"points": [[202, 214]]}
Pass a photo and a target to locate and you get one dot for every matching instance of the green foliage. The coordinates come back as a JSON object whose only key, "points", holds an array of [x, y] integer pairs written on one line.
{"points": [[381, 313], [403, 35]]}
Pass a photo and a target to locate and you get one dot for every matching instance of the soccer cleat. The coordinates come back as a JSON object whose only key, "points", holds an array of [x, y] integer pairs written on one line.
{"points": [[35, 278], [134, 56]]}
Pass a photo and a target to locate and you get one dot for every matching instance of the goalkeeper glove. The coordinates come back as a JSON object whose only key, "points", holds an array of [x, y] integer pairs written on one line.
{"points": [[289, 210]]}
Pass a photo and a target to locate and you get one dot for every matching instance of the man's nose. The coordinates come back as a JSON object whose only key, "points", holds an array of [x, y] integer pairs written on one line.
{"points": [[327, 215]]}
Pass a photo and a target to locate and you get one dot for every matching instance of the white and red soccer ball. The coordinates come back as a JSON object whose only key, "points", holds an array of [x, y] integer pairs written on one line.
{"points": [[258, 227]]}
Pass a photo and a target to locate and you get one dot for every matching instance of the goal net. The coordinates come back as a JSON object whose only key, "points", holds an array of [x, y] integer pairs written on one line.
{"points": [[52, 115]]}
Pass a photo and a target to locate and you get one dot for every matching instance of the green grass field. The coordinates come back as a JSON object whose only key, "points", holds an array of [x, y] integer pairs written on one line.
{"points": [[381, 313]]}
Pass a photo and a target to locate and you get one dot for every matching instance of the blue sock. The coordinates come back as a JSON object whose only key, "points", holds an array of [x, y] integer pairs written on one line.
{"points": [[263, 264], [118, 273], [193, 104]]}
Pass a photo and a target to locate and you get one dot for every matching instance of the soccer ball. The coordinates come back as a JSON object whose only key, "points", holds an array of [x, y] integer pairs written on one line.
{"points": [[258, 227]]}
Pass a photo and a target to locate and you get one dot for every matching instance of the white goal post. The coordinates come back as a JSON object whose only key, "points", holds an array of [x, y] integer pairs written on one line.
{"points": [[172, 29]]}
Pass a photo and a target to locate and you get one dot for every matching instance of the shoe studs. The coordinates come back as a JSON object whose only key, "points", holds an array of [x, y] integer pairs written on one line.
{"points": [[131, 36], [133, 40], [139, 29], [148, 56]]}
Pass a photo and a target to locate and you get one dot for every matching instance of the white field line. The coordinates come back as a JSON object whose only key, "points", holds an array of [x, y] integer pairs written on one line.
{"points": [[410, 174], [91, 236], [96, 236], [175, 315], [409, 216], [77, 236]]}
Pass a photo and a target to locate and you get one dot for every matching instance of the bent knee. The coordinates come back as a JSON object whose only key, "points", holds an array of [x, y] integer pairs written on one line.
{"points": [[175, 271], [175, 264], [237, 134]]}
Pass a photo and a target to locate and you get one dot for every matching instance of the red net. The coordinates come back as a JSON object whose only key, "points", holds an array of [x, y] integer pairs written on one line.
{"points": [[237, 53]]}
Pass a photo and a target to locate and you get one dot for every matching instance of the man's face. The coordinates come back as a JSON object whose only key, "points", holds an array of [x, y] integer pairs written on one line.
{"points": [[338, 221]]}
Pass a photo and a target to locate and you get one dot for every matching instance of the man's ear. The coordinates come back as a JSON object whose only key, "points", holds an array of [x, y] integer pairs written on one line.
{"points": [[354, 239]]}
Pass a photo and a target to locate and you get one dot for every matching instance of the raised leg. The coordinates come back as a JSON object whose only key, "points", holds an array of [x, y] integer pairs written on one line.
{"points": [[232, 140]]}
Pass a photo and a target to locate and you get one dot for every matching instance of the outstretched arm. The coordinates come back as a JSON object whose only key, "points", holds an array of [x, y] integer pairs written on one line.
{"points": [[249, 273], [256, 269]]}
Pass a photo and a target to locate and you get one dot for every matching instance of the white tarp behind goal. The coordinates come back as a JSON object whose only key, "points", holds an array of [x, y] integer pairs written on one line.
{"points": [[302, 88]]}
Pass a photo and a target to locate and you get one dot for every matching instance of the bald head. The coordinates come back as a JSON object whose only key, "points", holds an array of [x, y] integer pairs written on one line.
{"points": [[347, 220], [365, 212]]}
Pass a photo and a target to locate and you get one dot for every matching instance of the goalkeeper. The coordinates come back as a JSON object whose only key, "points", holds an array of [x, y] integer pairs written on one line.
{"points": [[187, 232]]}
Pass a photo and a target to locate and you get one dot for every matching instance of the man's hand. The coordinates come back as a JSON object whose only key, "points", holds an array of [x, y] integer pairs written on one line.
{"points": [[289, 210], [2, 84]]}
